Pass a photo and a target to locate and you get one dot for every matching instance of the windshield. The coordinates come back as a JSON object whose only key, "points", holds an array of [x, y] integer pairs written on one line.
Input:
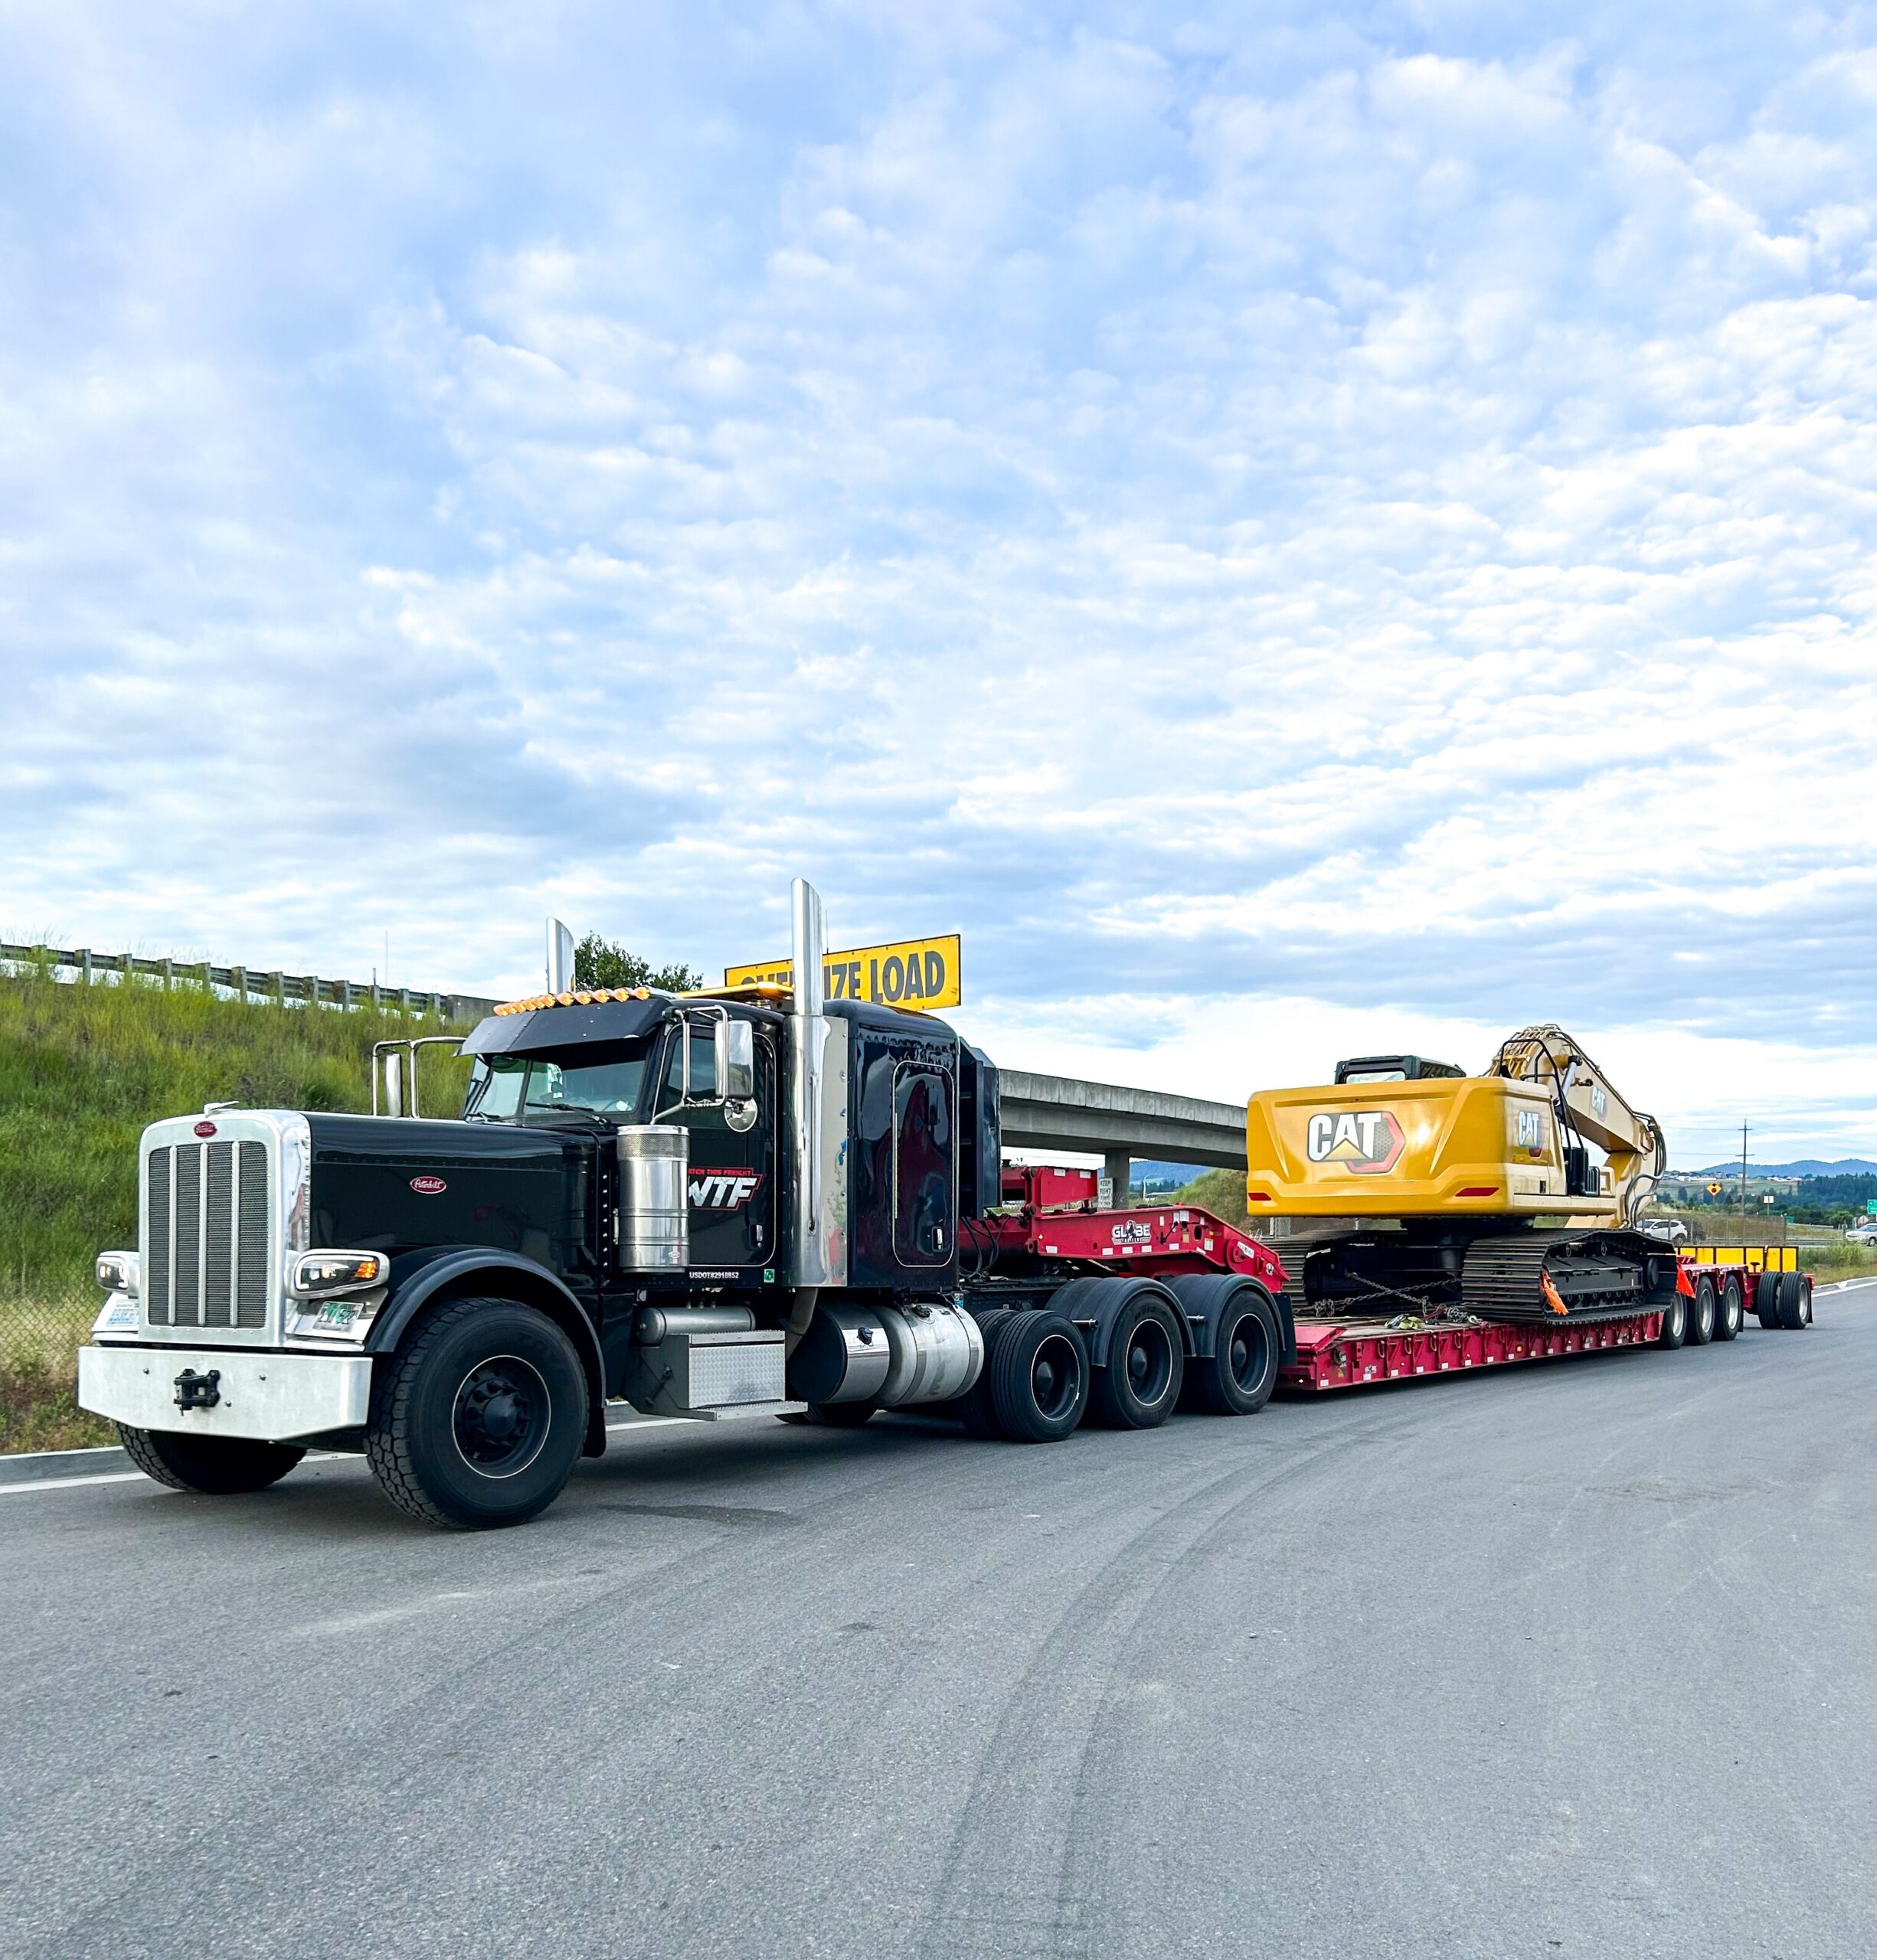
{"points": [[609, 1084]]}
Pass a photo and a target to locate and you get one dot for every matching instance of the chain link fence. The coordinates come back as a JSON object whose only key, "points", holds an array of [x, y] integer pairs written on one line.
{"points": [[40, 1337]]}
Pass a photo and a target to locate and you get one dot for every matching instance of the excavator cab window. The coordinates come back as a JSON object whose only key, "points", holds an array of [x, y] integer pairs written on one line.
{"points": [[1395, 1068]]}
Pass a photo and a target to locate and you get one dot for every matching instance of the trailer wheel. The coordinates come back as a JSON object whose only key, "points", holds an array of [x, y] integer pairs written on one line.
{"points": [[217, 1466], [1039, 1378], [1792, 1301], [478, 1420], [1674, 1321], [1701, 1311], [1146, 1357], [973, 1408], [1805, 1289], [1766, 1299], [1238, 1378], [1731, 1311]]}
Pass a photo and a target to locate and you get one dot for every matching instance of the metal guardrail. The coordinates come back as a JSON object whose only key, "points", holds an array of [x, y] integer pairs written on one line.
{"points": [[248, 983]]}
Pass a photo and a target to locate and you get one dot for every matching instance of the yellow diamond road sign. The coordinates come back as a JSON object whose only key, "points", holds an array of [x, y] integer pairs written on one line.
{"points": [[910, 973]]}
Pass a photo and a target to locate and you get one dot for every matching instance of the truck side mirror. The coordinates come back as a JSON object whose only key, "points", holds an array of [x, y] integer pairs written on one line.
{"points": [[736, 1062]]}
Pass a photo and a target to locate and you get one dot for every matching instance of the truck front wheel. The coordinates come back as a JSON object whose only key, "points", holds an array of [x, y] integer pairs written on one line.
{"points": [[478, 1421], [220, 1466]]}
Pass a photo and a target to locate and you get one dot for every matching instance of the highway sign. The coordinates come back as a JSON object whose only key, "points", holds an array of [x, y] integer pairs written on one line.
{"points": [[910, 973], [1713, 1190], [1870, 1207]]}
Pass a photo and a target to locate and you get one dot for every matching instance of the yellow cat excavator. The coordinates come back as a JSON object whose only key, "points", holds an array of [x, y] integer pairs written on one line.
{"points": [[1486, 1196]]}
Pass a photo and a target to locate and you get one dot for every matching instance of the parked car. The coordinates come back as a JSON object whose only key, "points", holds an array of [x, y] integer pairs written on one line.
{"points": [[1671, 1231]]}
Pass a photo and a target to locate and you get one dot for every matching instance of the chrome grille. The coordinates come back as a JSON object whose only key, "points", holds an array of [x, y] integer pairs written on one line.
{"points": [[209, 1257]]}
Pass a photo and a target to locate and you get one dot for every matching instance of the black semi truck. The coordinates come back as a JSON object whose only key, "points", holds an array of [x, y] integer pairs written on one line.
{"points": [[758, 1202]]}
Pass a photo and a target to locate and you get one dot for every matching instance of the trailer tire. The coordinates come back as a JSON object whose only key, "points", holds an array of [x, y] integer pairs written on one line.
{"points": [[1731, 1310], [1140, 1386], [1806, 1304], [1237, 1377], [477, 1421], [1674, 1321], [1700, 1314], [1039, 1372], [973, 1408], [1766, 1299], [1792, 1302], [217, 1466]]}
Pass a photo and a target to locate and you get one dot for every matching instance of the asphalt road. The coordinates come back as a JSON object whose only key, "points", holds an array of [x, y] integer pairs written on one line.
{"points": [[1575, 1659]]}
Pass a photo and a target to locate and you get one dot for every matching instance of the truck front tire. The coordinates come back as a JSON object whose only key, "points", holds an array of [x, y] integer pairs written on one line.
{"points": [[218, 1466], [478, 1420]]}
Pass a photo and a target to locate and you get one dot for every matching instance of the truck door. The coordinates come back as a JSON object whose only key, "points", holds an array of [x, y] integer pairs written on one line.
{"points": [[732, 1180]]}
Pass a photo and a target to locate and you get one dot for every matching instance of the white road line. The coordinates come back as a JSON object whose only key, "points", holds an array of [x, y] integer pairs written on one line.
{"points": [[43, 1484]]}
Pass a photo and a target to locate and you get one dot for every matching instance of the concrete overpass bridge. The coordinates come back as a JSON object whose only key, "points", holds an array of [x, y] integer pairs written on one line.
{"points": [[1059, 1112]]}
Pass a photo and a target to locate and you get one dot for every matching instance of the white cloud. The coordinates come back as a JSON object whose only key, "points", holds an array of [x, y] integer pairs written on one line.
{"points": [[1360, 519]]}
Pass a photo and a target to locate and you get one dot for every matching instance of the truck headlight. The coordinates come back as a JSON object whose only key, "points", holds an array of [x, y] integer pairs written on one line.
{"points": [[319, 1276], [119, 1272]]}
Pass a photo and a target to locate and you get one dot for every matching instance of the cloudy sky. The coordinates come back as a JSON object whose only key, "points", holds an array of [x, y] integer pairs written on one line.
{"points": [[1298, 530]]}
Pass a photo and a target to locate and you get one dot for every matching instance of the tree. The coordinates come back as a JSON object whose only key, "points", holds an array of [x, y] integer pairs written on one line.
{"points": [[598, 962]]}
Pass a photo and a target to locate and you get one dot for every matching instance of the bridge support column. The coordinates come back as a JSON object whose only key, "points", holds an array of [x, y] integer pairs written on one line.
{"points": [[1118, 1168]]}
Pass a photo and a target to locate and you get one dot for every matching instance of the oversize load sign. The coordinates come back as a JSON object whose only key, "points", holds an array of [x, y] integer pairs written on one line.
{"points": [[911, 973]]}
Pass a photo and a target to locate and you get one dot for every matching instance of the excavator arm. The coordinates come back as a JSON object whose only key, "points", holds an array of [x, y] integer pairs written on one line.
{"points": [[1588, 1104]]}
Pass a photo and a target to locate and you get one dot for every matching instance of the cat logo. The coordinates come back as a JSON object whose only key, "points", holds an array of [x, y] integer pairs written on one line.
{"points": [[1531, 1132], [724, 1190], [1366, 1142]]}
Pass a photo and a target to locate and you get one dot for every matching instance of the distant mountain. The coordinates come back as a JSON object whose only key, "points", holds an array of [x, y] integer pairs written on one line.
{"points": [[1805, 1167]]}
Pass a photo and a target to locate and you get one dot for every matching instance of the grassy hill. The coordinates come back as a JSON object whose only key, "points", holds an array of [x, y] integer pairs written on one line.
{"points": [[82, 1070]]}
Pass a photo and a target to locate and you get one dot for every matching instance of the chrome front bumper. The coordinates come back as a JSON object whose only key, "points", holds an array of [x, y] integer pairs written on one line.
{"points": [[269, 1397]]}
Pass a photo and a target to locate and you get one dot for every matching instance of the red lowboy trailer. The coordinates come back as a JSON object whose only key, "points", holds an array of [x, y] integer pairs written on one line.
{"points": [[1049, 1222]]}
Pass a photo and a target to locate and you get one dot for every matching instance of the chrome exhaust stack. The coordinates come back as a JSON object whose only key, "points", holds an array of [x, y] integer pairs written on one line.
{"points": [[817, 1072]]}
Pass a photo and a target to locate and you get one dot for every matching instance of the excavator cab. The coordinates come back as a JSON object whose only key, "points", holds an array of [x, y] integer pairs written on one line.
{"points": [[1396, 1068]]}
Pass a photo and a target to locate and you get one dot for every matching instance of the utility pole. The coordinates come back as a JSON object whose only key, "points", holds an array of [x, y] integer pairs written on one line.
{"points": [[1743, 1169]]}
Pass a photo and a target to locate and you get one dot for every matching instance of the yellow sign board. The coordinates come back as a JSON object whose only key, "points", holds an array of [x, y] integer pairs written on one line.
{"points": [[910, 973]]}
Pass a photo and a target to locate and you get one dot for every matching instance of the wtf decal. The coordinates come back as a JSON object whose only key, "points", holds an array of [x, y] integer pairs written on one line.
{"points": [[1366, 1142], [724, 1190]]}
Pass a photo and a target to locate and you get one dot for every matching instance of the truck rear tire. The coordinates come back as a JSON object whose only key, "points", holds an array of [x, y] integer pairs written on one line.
{"points": [[217, 1466], [1674, 1321], [1731, 1311], [478, 1420], [1146, 1361], [1766, 1299], [973, 1408], [1700, 1314], [1038, 1372], [1792, 1301], [1238, 1378]]}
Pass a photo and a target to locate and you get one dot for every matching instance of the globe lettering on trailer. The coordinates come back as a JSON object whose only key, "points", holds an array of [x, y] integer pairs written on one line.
{"points": [[1367, 1142]]}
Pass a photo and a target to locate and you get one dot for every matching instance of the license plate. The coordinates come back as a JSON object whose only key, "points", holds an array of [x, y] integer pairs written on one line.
{"points": [[337, 1313]]}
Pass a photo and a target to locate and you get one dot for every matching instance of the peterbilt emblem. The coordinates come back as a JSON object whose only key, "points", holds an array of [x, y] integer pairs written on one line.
{"points": [[428, 1187], [205, 1128], [1366, 1142]]}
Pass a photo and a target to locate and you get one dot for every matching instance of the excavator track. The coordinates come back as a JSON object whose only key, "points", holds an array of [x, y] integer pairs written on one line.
{"points": [[1594, 1275]]}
